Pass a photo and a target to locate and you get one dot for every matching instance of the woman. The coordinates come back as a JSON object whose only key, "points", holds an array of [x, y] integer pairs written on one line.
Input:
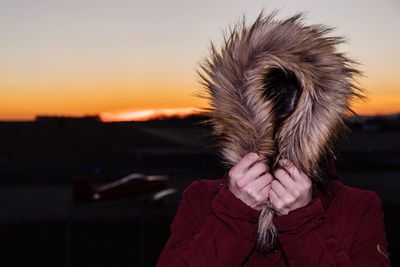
{"points": [[278, 94]]}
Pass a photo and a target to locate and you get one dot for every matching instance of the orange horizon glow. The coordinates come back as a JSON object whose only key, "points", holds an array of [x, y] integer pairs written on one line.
{"points": [[164, 113], [374, 105], [363, 109], [378, 104], [148, 114]]}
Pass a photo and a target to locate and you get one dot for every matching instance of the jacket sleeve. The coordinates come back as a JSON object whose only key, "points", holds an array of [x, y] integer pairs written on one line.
{"points": [[307, 239], [224, 237]]}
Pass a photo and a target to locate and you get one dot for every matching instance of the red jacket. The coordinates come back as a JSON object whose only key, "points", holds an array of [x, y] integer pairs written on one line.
{"points": [[341, 227]]}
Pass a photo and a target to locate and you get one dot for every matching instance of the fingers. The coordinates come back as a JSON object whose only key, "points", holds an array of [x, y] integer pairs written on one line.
{"points": [[266, 190], [268, 177], [276, 203], [259, 184], [259, 189], [278, 189], [284, 178], [246, 162], [250, 181], [241, 167], [296, 174], [291, 189], [273, 198], [291, 169], [280, 198], [253, 173]]}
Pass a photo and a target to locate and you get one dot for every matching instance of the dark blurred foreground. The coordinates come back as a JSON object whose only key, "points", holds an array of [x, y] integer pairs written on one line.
{"points": [[42, 225]]}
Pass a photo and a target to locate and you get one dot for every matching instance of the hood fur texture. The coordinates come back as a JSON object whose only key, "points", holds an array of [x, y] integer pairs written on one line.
{"points": [[279, 88]]}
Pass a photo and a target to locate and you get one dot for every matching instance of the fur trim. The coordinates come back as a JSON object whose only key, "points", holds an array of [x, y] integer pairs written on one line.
{"points": [[241, 84]]}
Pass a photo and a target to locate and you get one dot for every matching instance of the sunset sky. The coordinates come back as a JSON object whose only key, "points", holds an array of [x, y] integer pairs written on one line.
{"points": [[87, 57]]}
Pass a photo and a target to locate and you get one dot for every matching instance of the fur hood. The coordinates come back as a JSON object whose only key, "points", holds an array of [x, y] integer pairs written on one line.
{"points": [[281, 89]]}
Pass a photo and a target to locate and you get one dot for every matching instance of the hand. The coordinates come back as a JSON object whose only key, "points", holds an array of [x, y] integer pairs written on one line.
{"points": [[250, 181], [291, 189]]}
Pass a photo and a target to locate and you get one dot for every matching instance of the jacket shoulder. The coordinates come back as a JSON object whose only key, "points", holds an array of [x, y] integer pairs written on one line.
{"points": [[203, 188], [357, 194], [197, 199], [358, 201], [202, 191]]}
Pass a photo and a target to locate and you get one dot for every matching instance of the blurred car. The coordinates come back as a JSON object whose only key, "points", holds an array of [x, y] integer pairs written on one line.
{"points": [[131, 186]]}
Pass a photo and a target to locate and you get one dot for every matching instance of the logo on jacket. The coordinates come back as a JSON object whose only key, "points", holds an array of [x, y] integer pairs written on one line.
{"points": [[382, 249]]}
